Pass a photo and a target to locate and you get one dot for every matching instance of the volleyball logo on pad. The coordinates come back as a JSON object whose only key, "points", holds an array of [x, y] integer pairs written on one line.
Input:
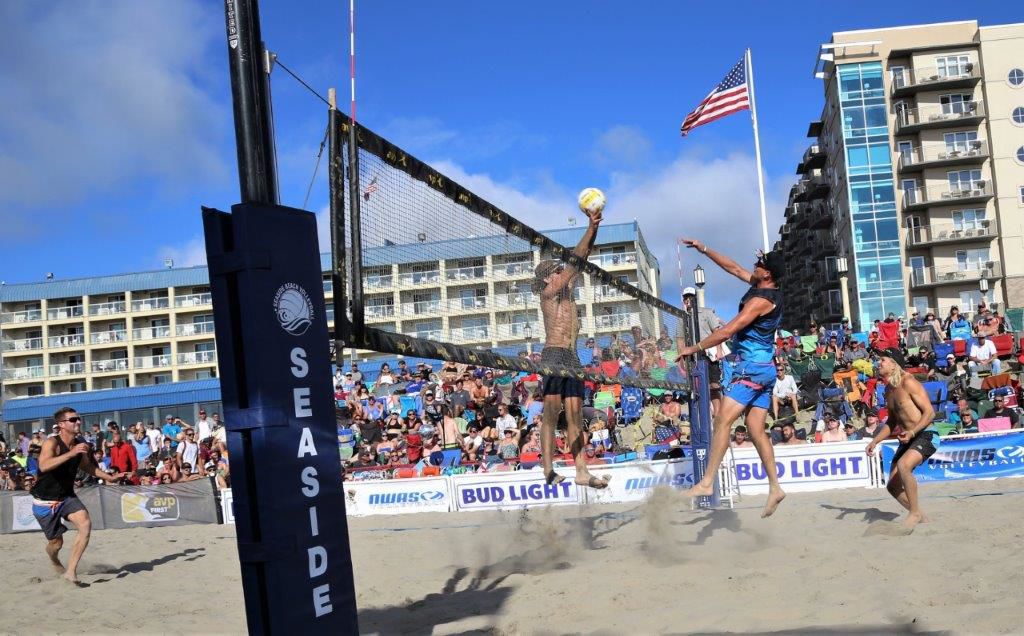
{"points": [[294, 309]]}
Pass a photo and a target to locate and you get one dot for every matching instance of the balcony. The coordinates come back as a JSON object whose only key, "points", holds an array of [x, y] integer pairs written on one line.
{"points": [[65, 313], [606, 293], [194, 329], [617, 321], [970, 273], [813, 186], [912, 120], [67, 368], [377, 282], [512, 270], [426, 334], [64, 342], [197, 357], [150, 304], [467, 305], [942, 155], [24, 344], [24, 373], [110, 365], [432, 277], [984, 230], [379, 312], [521, 300], [819, 216], [108, 337], [193, 300], [611, 261], [821, 248], [518, 331], [475, 272], [947, 194], [152, 362], [930, 78], [479, 333], [28, 315], [106, 309], [814, 158], [151, 333], [421, 308]]}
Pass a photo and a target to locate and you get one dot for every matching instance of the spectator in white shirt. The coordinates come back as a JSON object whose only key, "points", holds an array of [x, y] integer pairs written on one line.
{"points": [[785, 391], [504, 422], [983, 356], [155, 436], [204, 427]]}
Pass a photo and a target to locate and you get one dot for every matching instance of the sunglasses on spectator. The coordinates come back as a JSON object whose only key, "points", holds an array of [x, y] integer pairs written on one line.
{"points": [[73, 420]]}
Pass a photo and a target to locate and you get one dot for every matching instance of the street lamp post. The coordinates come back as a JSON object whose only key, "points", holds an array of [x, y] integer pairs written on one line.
{"points": [[843, 269], [699, 280], [983, 288]]}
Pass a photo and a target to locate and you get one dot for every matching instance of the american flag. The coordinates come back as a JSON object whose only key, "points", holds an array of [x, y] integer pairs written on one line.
{"points": [[730, 96], [370, 188]]}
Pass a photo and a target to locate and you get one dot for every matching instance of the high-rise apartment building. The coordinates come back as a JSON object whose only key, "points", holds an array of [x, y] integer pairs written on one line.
{"points": [[915, 175]]}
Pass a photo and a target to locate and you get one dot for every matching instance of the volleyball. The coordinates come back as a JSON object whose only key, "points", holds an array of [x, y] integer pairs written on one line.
{"points": [[591, 200]]}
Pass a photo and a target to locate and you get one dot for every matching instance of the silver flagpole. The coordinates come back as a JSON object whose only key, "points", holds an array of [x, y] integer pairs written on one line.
{"points": [[757, 149]]}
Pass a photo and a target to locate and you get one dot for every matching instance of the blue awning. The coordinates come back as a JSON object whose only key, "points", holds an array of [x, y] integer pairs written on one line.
{"points": [[106, 400]]}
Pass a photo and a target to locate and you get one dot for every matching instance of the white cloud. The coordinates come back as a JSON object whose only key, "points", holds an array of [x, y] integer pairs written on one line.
{"points": [[102, 94], [621, 145], [191, 253]]}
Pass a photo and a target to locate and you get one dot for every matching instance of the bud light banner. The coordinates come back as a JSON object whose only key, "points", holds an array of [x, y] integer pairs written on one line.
{"points": [[511, 492], [388, 497], [806, 467], [969, 457]]}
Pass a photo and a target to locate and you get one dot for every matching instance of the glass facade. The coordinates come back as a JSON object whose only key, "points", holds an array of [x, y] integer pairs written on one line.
{"points": [[872, 195]]}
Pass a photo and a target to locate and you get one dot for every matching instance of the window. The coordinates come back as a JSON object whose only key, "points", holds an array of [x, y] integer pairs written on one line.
{"points": [[920, 303], [959, 142], [1020, 195], [1018, 115], [162, 378], [1015, 77], [953, 66], [917, 269], [968, 219], [899, 76], [973, 259], [964, 180], [119, 383], [1020, 155], [958, 104], [971, 299]]}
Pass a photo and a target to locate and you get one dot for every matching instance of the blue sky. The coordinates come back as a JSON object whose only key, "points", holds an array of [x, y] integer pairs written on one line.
{"points": [[116, 135]]}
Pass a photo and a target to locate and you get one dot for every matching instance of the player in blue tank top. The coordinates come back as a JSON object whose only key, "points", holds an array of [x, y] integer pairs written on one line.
{"points": [[748, 375]]}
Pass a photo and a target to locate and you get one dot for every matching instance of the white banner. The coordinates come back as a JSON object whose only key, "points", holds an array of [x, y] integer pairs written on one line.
{"points": [[23, 520], [227, 505], [635, 481], [806, 467], [397, 496], [510, 491]]}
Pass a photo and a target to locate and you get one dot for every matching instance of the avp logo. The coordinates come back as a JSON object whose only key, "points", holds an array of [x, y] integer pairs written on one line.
{"points": [[1010, 452], [293, 308]]}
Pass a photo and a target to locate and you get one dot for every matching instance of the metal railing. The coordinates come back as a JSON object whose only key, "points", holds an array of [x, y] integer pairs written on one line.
{"points": [[380, 311], [971, 272], [518, 331], [23, 344], [421, 307], [617, 321], [193, 300], [428, 334], [937, 233], [107, 337], [151, 304], [946, 193], [151, 333], [607, 292], [64, 313], [520, 300], [613, 260], [105, 309], [943, 152], [61, 342], [432, 277], [938, 114], [197, 357], [67, 368], [477, 303], [524, 268], [470, 334], [465, 273], [194, 328], [24, 373], [925, 75], [110, 365], [27, 315], [378, 281], [152, 362]]}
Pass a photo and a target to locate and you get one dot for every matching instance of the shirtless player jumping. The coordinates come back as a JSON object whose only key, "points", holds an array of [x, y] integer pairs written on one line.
{"points": [[554, 281], [910, 415]]}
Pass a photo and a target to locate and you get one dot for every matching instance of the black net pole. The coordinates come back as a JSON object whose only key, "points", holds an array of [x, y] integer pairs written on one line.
{"points": [[336, 181], [358, 317], [250, 91]]}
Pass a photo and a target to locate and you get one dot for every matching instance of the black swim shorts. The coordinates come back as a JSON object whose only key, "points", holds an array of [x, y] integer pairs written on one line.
{"points": [[50, 515], [557, 385], [922, 443]]}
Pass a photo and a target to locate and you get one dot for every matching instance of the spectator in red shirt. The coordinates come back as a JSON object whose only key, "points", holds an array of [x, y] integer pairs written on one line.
{"points": [[122, 456]]}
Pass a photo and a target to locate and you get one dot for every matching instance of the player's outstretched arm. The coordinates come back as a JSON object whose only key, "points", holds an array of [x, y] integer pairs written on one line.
{"points": [[752, 310], [721, 260], [582, 250]]}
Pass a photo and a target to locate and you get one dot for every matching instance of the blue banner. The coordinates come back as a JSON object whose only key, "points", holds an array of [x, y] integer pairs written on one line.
{"points": [[969, 458]]}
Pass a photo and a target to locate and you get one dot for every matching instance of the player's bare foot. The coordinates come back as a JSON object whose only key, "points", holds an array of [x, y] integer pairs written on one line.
{"points": [[55, 561], [592, 482], [700, 490], [551, 477], [73, 579], [912, 520], [775, 497]]}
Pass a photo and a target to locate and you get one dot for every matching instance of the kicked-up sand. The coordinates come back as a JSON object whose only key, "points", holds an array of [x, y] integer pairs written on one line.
{"points": [[831, 562]]}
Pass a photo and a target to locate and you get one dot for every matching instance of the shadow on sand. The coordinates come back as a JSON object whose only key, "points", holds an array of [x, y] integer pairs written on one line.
{"points": [[871, 515], [906, 628], [714, 520], [191, 554]]}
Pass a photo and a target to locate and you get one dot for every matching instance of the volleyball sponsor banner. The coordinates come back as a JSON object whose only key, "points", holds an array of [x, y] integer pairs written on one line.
{"points": [[398, 496], [806, 467], [512, 491], [635, 482], [978, 456]]}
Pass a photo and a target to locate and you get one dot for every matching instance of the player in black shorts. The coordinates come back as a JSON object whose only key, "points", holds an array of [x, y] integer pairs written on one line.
{"points": [[53, 495]]}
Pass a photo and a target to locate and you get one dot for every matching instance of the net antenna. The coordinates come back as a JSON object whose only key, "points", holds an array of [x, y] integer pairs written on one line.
{"points": [[438, 272]]}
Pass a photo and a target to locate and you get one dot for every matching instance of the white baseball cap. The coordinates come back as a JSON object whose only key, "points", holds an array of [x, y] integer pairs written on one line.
{"points": [[689, 291]]}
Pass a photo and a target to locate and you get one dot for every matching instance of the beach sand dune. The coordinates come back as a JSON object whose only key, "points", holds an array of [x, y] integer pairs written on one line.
{"points": [[826, 563]]}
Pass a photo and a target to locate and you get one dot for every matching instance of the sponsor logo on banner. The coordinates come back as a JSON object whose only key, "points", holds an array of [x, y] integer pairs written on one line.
{"points": [[293, 308], [512, 493], [400, 496], [406, 497], [23, 518], [806, 467], [635, 482], [969, 458], [146, 507]]}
